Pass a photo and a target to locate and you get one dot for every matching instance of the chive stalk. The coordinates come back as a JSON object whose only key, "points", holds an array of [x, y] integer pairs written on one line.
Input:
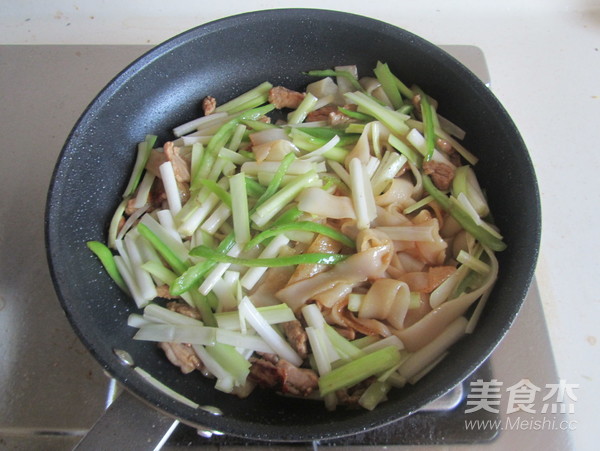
{"points": [[358, 370]]}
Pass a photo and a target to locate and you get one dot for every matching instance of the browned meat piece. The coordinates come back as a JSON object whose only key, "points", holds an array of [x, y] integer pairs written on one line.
{"points": [[285, 98], [209, 104], [441, 174], [296, 336], [297, 381], [338, 118], [183, 309], [322, 114], [350, 396], [264, 373], [163, 292], [183, 356], [283, 376], [180, 166]]}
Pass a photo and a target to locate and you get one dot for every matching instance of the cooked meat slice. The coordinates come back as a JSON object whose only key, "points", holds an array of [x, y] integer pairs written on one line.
{"points": [[337, 118], [183, 356], [163, 292], [264, 373], [297, 337], [209, 104], [441, 174], [351, 395], [180, 166], [285, 98], [297, 381], [184, 309], [283, 376], [322, 114]]}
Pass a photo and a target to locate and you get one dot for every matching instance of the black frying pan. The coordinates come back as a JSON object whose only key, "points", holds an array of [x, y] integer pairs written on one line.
{"points": [[163, 89]]}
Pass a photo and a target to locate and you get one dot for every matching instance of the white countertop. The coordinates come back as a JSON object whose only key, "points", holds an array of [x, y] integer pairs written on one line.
{"points": [[544, 60]]}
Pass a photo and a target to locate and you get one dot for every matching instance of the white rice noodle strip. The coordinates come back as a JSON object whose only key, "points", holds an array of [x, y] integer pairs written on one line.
{"points": [[218, 271], [170, 183], [418, 189], [318, 202], [370, 263], [163, 388], [362, 195], [143, 190], [399, 192], [477, 312], [387, 299], [163, 234], [266, 331], [253, 275], [362, 148], [434, 349], [427, 232], [131, 220], [431, 325], [143, 279], [165, 218], [203, 121], [321, 150]]}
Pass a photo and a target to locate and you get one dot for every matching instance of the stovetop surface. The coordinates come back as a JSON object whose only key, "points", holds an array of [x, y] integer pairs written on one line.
{"points": [[53, 390]]}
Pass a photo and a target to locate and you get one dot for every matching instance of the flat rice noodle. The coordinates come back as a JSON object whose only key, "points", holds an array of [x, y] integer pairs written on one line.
{"points": [[349, 228], [319, 202], [321, 245], [431, 325], [387, 299], [417, 281], [329, 298], [415, 314], [370, 263], [409, 263], [362, 148], [390, 216], [367, 326], [432, 252], [399, 192], [274, 279]]}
